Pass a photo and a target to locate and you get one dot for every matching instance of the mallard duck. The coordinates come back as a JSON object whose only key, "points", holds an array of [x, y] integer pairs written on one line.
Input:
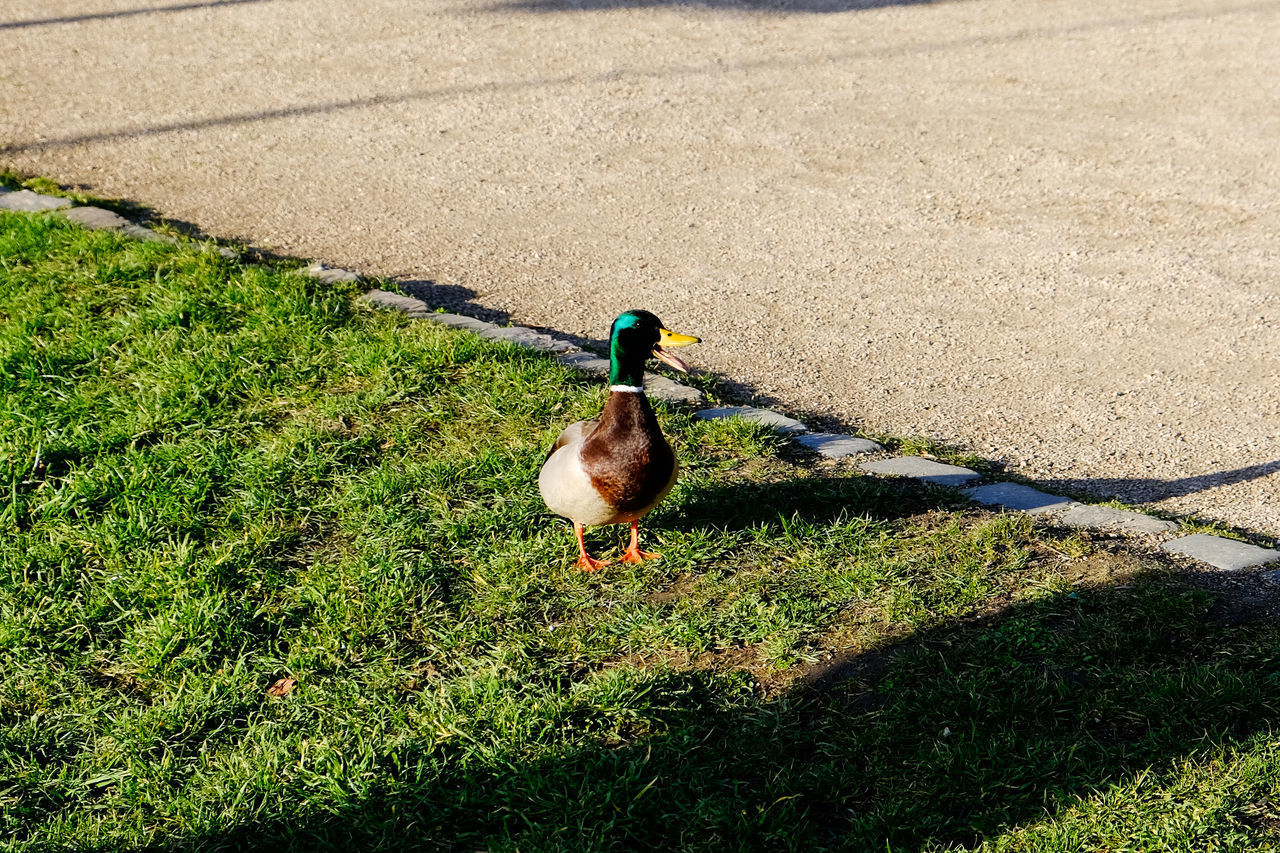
{"points": [[616, 468]]}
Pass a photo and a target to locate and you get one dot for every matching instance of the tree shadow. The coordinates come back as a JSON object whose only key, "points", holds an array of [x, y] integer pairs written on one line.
{"points": [[296, 111], [957, 734], [123, 13], [455, 298], [1152, 489]]}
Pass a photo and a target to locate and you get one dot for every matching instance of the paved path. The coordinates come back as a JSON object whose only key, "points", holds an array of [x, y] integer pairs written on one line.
{"points": [[1048, 231]]}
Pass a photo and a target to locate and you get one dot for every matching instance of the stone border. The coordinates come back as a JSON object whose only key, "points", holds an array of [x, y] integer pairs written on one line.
{"points": [[566, 353], [1216, 551], [96, 218]]}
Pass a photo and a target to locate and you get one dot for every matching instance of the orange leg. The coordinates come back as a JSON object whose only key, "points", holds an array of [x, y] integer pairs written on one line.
{"points": [[633, 554], [585, 561]]}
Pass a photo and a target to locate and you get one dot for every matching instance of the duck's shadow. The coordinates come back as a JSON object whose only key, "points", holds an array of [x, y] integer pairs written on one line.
{"points": [[798, 498], [816, 498]]}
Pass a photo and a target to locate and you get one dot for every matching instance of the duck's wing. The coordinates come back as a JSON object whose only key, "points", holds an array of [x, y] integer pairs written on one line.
{"points": [[573, 433]]}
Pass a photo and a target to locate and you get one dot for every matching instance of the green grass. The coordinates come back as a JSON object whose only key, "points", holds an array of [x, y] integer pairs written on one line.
{"points": [[217, 476]]}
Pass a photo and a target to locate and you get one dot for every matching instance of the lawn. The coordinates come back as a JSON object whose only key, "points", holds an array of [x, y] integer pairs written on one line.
{"points": [[274, 573]]}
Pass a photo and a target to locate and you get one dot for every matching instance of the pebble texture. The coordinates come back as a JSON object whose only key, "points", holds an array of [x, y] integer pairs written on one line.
{"points": [[1226, 554], [774, 420]]}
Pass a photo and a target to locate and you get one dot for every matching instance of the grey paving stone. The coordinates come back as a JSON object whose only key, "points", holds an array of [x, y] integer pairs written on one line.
{"points": [[330, 275], [1018, 497], [26, 200], [1109, 518], [780, 422], [397, 302], [105, 220], [460, 321], [524, 337], [586, 362], [661, 388], [836, 446], [141, 232], [1221, 553], [96, 217], [920, 468]]}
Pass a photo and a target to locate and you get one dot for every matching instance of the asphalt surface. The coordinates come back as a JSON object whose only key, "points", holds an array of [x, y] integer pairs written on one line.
{"points": [[1047, 232]]}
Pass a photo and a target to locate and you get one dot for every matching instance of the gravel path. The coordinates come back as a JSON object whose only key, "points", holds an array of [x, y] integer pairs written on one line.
{"points": [[1049, 232]]}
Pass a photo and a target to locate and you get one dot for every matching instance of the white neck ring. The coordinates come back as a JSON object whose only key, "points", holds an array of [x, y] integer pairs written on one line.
{"points": [[628, 389]]}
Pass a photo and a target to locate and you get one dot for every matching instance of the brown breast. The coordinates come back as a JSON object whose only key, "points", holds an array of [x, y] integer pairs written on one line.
{"points": [[627, 457]]}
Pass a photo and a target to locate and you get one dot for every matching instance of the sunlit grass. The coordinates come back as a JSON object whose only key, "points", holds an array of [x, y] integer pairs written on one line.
{"points": [[217, 476]]}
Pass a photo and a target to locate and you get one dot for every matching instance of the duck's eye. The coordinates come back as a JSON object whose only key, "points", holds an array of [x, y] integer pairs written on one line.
{"points": [[630, 338]]}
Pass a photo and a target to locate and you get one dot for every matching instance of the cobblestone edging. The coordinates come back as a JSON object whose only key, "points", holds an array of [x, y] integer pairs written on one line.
{"points": [[1216, 551]]}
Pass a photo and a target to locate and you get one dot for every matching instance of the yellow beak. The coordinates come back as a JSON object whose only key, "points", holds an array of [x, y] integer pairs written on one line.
{"points": [[668, 338]]}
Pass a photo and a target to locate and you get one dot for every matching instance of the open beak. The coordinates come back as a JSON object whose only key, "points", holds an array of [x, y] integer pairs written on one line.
{"points": [[668, 338]]}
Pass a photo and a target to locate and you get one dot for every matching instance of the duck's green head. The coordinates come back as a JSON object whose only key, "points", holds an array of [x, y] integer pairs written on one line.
{"points": [[634, 337]]}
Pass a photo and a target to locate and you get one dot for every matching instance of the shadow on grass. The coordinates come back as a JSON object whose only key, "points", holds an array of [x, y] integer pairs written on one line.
{"points": [[451, 297], [955, 734], [817, 499]]}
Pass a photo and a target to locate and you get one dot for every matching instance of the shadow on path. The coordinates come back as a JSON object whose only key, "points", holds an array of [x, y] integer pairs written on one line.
{"points": [[1151, 489], [123, 13], [963, 42]]}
